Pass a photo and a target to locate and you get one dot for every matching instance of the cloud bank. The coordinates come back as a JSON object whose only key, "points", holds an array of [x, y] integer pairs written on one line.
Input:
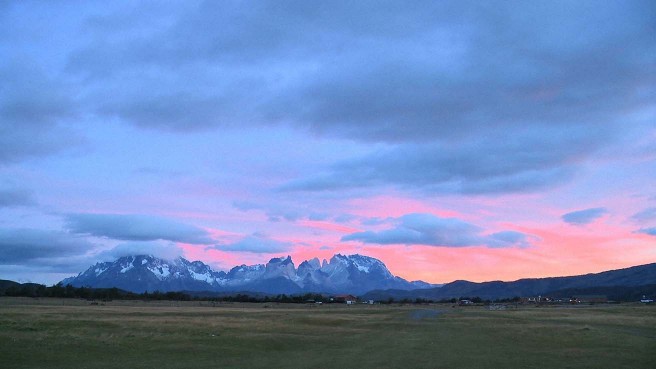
{"points": [[373, 70], [136, 228], [650, 231], [11, 197], [462, 97], [645, 215], [19, 246], [32, 107], [582, 217], [430, 230], [528, 161], [161, 249], [256, 243]]}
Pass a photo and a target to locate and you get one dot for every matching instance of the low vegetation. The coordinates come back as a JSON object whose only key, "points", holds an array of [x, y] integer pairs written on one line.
{"points": [[9, 288], [65, 333]]}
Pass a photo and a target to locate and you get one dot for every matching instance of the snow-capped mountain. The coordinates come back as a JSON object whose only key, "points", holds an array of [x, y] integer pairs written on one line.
{"points": [[354, 274], [141, 273]]}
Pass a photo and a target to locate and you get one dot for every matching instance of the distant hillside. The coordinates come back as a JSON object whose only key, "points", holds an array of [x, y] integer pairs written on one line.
{"points": [[26, 289], [629, 277], [5, 284], [614, 293]]}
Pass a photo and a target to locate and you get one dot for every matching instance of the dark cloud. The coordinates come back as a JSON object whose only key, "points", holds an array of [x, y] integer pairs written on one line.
{"points": [[430, 230], [467, 98], [161, 249], [136, 228], [47, 270], [645, 215], [32, 106], [500, 163], [256, 243], [19, 246], [32, 98], [10, 197], [582, 217], [375, 70]]}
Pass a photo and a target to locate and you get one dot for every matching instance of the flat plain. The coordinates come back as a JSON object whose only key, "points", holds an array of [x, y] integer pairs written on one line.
{"points": [[67, 333]]}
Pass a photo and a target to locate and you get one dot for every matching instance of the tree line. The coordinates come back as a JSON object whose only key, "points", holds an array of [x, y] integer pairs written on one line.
{"points": [[108, 294]]}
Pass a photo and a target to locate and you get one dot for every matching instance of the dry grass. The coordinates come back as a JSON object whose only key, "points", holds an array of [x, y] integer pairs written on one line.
{"points": [[51, 333]]}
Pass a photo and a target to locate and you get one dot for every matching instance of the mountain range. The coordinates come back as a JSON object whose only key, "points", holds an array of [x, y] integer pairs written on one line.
{"points": [[355, 274], [612, 282]]}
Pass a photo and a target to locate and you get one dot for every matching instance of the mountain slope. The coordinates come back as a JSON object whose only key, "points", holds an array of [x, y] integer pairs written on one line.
{"points": [[355, 274], [146, 273], [628, 277]]}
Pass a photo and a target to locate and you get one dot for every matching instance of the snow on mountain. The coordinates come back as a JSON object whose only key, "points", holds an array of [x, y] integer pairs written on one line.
{"points": [[308, 267], [341, 274], [359, 273], [246, 273], [141, 273], [280, 267]]}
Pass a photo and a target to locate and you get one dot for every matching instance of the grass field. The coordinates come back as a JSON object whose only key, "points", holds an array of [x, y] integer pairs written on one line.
{"points": [[55, 333]]}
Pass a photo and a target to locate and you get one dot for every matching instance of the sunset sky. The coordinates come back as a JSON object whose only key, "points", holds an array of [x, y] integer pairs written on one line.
{"points": [[451, 140]]}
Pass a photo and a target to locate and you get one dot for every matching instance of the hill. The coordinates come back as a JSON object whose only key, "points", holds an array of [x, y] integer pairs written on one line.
{"points": [[641, 275]]}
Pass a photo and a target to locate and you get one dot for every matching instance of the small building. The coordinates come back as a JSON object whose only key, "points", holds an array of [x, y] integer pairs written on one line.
{"points": [[348, 299], [536, 300], [465, 302]]}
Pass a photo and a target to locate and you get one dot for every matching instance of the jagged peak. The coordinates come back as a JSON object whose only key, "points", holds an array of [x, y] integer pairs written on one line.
{"points": [[353, 257], [342, 273], [314, 263], [281, 259], [309, 266], [247, 267], [338, 258]]}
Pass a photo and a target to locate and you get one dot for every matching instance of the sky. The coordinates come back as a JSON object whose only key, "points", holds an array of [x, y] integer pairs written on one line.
{"points": [[471, 140]]}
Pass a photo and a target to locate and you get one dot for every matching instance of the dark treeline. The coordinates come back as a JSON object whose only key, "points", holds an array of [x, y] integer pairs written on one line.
{"points": [[9, 288], [475, 300], [614, 293], [68, 291]]}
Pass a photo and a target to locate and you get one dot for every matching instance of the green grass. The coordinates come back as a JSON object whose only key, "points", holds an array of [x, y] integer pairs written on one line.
{"points": [[52, 333]]}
